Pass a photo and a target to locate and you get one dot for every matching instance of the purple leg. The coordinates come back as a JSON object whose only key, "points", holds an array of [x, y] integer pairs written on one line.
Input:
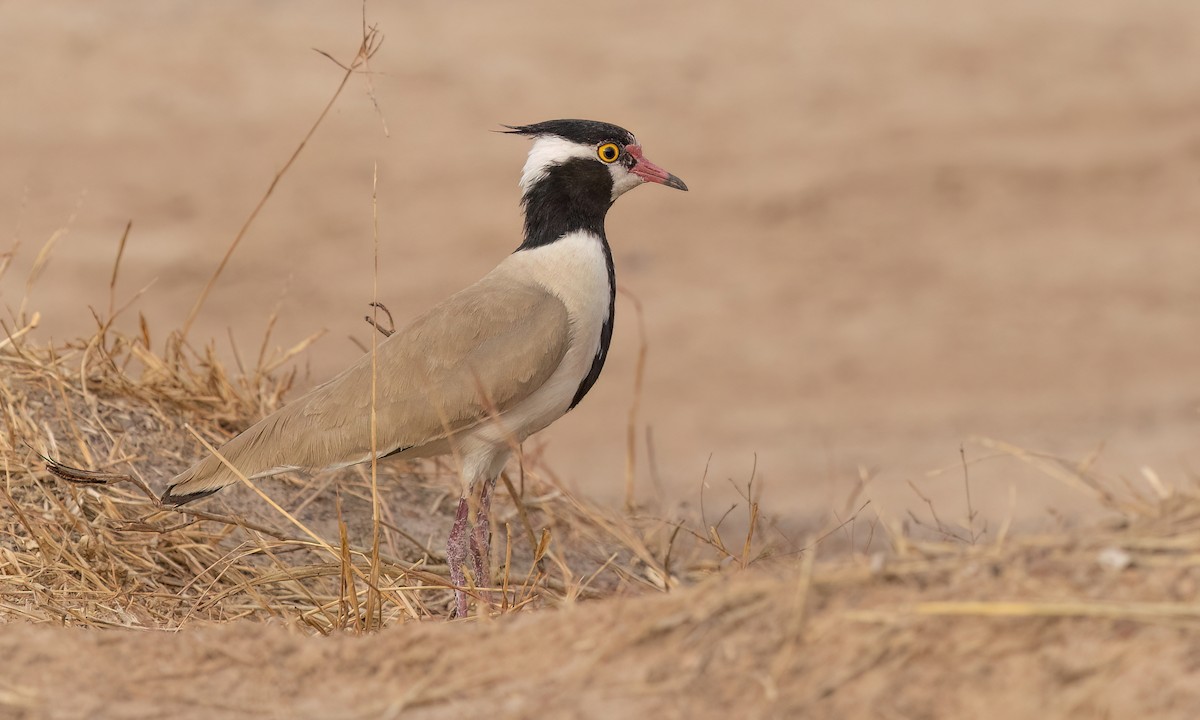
{"points": [[456, 557], [481, 537]]}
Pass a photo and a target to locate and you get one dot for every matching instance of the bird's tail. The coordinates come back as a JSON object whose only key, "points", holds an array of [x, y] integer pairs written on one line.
{"points": [[199, 481], [251, 452]]}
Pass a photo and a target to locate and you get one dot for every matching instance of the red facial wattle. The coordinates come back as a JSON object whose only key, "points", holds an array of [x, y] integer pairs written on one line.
{"points": [[650, 172]]}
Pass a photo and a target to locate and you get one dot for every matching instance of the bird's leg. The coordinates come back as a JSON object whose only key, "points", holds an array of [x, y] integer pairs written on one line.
{"points": [[481, 537], [456, 557], [485, 464]]}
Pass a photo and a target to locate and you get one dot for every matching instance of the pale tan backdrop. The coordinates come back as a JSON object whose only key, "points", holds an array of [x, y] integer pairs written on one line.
{"points": [[908, 223]]}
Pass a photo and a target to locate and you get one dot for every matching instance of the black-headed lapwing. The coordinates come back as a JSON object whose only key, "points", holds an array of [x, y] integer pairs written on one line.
{"points": [[487, 367]]}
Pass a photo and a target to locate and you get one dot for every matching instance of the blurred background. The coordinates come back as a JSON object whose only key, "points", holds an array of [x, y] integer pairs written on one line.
{"points": [[909, 225]]}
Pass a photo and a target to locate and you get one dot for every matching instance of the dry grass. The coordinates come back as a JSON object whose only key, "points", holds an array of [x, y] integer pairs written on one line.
{"points": [[109, 555], [1091, 624]]}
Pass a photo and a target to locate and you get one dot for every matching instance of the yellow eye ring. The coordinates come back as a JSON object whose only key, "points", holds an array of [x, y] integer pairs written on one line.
{"points": [[608, 152]]}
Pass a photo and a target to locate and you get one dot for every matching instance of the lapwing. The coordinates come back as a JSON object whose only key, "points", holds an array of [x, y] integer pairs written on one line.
{"points": [[487, 367]]}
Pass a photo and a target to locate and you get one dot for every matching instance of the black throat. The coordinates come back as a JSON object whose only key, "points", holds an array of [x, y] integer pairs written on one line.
{"points": [[574, 196]]}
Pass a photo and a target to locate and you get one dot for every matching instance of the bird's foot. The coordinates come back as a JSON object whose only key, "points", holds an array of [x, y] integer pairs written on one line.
{"points": [[456, 557]]}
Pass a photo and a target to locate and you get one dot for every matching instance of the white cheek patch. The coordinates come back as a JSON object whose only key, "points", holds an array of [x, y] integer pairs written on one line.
{"points": [[548, 151], [623, 180]]}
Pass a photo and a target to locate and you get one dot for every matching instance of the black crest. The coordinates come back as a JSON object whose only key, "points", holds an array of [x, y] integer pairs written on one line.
{"points": [[587, 132]]}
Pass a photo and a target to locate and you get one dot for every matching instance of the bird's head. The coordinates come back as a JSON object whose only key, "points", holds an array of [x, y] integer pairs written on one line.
{"points": [[594, 156]]}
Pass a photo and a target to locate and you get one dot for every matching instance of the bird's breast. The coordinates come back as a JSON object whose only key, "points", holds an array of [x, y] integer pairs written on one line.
{"points": [[577, 269]]}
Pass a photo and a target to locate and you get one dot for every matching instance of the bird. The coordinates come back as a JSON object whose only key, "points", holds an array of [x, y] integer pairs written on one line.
{"points": [[484, 369]]}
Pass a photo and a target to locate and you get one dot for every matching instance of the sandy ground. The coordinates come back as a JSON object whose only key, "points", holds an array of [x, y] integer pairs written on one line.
{"points": [[728, 648], [908, 226]]}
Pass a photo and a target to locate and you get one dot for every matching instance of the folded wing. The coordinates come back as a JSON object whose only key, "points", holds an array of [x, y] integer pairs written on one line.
{"points": [[479, 352]]}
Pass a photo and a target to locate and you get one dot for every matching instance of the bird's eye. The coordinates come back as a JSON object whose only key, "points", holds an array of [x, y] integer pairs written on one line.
{"points": [[608, 152]]}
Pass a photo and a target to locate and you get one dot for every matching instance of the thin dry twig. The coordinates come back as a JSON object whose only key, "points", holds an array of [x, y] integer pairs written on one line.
{"points": [[373, 321], [367, 47]]}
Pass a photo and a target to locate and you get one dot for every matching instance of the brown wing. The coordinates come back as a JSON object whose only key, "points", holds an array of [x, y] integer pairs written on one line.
{"points": [[483, 349]]}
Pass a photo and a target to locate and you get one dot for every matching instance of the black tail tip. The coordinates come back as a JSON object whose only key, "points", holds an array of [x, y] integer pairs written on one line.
{"points": [[170, 498]]}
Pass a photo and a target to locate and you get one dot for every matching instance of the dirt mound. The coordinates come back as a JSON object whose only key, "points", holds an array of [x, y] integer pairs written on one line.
{"points": [[1049, 630]]}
